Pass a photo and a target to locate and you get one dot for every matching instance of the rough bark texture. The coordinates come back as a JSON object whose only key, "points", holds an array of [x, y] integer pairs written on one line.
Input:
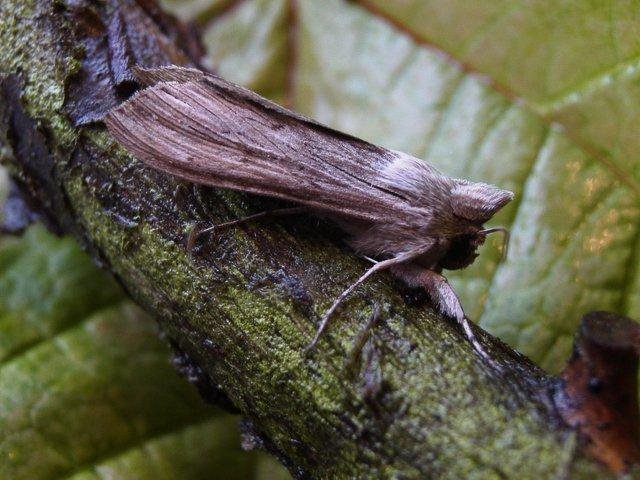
{"points": [[415, 402]]}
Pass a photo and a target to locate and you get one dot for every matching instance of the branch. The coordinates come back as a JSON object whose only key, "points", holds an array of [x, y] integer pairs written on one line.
{"points": [[408, 399]]}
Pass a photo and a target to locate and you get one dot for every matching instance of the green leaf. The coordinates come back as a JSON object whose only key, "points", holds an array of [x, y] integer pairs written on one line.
{"points": [[43, 281], [86, 387], [536, 97]]}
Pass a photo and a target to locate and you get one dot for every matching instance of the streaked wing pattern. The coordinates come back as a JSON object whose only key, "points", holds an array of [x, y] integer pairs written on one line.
{"points": [[209, 131]]}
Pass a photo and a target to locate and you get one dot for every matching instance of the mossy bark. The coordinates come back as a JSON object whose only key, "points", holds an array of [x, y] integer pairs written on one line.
{"points": [[415, 402]]}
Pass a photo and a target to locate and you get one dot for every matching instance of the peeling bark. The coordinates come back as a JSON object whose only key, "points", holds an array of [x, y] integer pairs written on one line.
{"points": [[415, 402]]}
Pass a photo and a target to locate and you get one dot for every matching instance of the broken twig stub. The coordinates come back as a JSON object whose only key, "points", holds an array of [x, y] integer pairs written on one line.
{"points": [[598, 391]]}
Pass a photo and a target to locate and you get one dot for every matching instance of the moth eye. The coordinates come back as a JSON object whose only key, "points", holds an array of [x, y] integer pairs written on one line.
{"points": [[478, 202]]}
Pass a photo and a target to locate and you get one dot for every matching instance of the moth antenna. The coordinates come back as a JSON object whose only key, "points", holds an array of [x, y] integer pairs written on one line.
{"points": [[505, 242]]}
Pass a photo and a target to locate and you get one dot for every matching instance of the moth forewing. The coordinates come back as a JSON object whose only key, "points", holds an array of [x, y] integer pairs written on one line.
{"points": [[395, 207]]}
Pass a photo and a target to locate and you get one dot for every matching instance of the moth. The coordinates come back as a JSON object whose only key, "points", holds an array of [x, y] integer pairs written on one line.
{"points": [[397, 210]]}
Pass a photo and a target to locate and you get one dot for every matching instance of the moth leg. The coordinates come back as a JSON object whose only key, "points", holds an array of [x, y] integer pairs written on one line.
{"points": [[379, 266], [362, 338], [445, 299], [279, 212], [369, 259]]}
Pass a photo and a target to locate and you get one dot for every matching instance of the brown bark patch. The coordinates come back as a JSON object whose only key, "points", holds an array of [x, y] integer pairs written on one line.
{"points": [[116, 37], [598, 394]]}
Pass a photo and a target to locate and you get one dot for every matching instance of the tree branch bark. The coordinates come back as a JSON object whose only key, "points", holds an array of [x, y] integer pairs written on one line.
{"points": [[414, 402]]}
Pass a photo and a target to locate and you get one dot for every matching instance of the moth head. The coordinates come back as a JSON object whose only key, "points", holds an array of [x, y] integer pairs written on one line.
{"points": [[463, 247], [462, 251], [472, 205]]}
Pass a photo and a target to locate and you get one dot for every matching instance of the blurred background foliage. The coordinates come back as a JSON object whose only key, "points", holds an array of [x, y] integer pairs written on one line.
{"points": [[539, 97]]}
